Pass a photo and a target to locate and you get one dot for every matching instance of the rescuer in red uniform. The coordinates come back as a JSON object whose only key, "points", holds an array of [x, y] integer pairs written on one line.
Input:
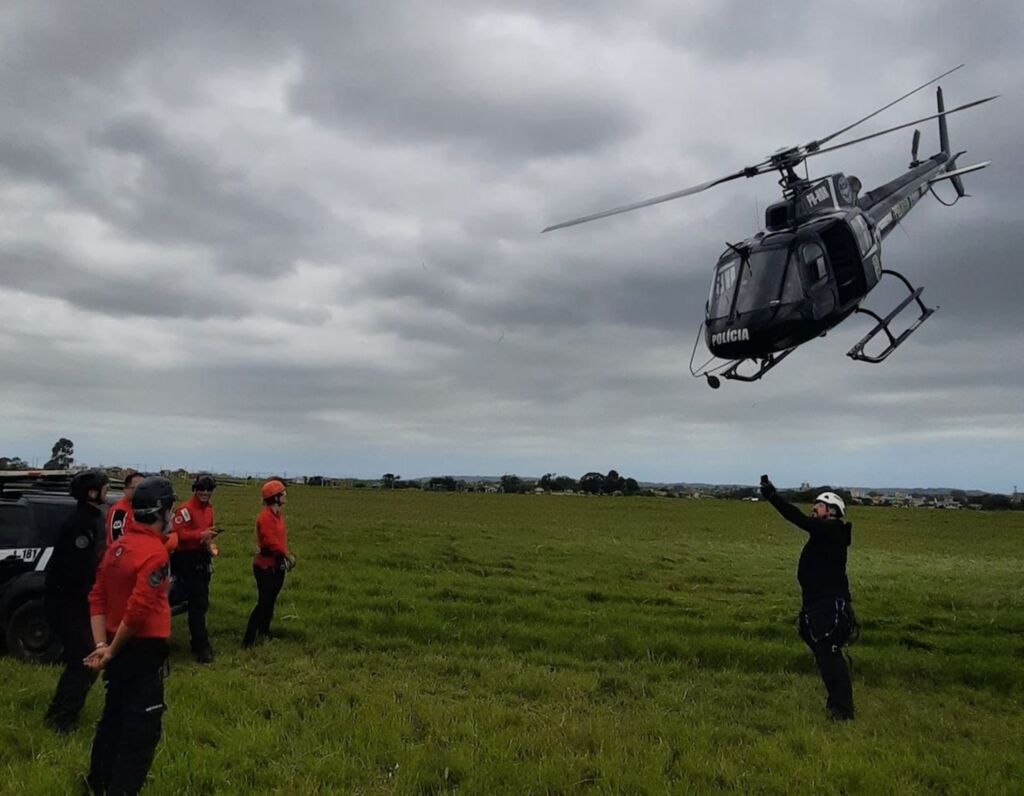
{"points": [[272, 561], [120, 513], [192, 561], [131, 625]]}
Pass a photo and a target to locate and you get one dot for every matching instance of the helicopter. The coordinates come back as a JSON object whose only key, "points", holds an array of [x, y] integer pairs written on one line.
{"points": [[818, 256]]}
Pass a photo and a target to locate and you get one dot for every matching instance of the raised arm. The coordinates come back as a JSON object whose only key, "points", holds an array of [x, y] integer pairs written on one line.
{"points": [[789, 512]]}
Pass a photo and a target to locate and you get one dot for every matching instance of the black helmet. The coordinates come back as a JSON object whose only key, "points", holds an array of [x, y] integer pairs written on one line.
{"points": [[153, 496], [204, 482], [85, 482]]}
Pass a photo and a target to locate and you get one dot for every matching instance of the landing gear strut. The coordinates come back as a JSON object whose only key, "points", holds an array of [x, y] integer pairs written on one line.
{"points": [[764, 364], [882, 325]]}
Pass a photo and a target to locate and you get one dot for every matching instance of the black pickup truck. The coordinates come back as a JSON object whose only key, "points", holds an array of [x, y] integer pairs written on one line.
{"points": [[33, 507]]}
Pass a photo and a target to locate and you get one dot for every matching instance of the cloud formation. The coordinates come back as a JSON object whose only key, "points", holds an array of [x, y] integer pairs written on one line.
{"points": [[307, 238]]}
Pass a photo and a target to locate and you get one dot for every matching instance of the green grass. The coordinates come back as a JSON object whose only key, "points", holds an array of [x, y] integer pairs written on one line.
{"points": [[480, 644]]}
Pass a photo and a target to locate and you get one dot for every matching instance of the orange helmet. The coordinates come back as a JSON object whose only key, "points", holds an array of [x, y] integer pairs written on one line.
{"points": [[272, 488]]}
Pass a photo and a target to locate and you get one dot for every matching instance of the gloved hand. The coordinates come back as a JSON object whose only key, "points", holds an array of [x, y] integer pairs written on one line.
{"points": [[288, 562], [768, 489]]}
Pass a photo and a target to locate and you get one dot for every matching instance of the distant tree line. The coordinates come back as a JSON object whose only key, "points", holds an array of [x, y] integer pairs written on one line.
{"points": [[62, 457], [593, 483], [612, 483]]}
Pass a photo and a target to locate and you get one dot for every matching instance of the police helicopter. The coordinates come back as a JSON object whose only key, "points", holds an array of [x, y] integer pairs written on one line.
{"points": [[818, 256]]}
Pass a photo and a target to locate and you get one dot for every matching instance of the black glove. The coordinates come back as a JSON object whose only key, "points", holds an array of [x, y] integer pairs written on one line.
{"points": [[768, 489]]}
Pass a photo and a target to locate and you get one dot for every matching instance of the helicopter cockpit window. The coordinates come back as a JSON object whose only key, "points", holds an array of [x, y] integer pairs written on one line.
{"points": [[762, 280], [814, 262], [720, 300]]}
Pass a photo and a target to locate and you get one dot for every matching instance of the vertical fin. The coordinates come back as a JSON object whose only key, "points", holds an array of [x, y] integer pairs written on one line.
{"points": [[958, 184]]}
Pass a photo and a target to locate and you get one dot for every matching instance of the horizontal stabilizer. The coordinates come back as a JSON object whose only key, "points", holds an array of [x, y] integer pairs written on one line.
{"points": [[949, 175]]}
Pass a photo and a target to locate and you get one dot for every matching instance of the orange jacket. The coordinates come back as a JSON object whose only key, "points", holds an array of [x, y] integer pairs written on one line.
{"points": [[131, 585], [118, 518], [190, 520], [272, 538]]}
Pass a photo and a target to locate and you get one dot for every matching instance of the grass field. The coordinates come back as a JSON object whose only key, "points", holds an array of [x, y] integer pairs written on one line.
{"points": [[484, 644]]}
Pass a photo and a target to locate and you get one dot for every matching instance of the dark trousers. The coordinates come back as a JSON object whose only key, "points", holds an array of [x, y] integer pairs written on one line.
{"points": [[192, 571], [70, 621], [826, 626], [130, 727], [268, 586]]}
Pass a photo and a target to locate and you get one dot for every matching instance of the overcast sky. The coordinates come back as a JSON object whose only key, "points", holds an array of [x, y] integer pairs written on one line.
{"points": [[305, 237]]}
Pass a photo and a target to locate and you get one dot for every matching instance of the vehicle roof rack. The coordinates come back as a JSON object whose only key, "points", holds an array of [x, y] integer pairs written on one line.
{"points": [[14, 483]]}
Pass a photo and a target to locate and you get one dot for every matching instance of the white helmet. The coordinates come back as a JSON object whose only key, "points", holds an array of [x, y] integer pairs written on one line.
{"points": [[832, 499]]}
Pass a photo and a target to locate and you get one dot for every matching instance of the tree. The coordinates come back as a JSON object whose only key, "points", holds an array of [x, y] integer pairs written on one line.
{"points": [[389, 480], [996, 503], [613, 482], [564, 483], [592, 483], [511, 483], [62, 456], [13, 463], [631, 487], [552, 482]]}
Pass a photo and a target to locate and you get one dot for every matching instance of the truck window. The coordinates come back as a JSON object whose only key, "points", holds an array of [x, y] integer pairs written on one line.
{"points": [[14, 526]]}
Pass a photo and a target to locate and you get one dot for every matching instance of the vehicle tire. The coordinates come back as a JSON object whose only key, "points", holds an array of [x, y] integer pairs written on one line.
{"points": [[29, 636]]}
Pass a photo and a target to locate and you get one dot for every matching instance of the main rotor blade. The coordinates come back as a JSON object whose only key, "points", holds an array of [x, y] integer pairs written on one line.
{"points": [[751, 171], [818, 142], [901, 126]]}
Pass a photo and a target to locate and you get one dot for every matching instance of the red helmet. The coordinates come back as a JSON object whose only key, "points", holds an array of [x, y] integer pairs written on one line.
{"points": [[272, 488]]}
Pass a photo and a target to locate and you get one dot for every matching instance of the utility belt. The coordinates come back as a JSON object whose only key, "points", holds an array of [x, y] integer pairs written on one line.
{"points": [[184, 562], [280, 562], [830, 620]]}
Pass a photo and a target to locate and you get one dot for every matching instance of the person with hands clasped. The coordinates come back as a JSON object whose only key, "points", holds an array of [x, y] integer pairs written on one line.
{"points": [[827, 621], [271, 562], [191, 562], [131, 625]]}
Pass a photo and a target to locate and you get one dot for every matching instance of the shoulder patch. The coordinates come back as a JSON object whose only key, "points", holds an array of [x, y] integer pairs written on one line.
{"points": [[158, 576], [184, 515]]}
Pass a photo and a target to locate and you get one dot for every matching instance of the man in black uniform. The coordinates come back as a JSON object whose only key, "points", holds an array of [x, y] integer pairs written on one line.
{"points": [[827, 621], [69, 578]]}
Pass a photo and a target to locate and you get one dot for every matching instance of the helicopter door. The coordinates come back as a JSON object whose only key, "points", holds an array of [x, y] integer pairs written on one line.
{"points": [[816, 277], [845, 257]]}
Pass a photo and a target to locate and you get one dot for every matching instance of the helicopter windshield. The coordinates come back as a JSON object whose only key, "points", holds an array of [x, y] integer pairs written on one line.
{"points": [[761, 280], [764, 278]]}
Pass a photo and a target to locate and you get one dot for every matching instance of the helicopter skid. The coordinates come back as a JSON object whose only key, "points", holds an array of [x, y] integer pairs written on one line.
{"points": [[882, 325], [764, 364]]}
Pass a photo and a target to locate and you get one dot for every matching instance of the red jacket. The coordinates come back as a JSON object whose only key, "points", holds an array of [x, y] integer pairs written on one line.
{"points": [[190, 520], [272, 538], [131, 584], [118, 518]]}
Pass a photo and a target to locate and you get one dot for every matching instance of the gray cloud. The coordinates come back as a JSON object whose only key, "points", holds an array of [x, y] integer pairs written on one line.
{"points": [[48, 272], [320, 226]]}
